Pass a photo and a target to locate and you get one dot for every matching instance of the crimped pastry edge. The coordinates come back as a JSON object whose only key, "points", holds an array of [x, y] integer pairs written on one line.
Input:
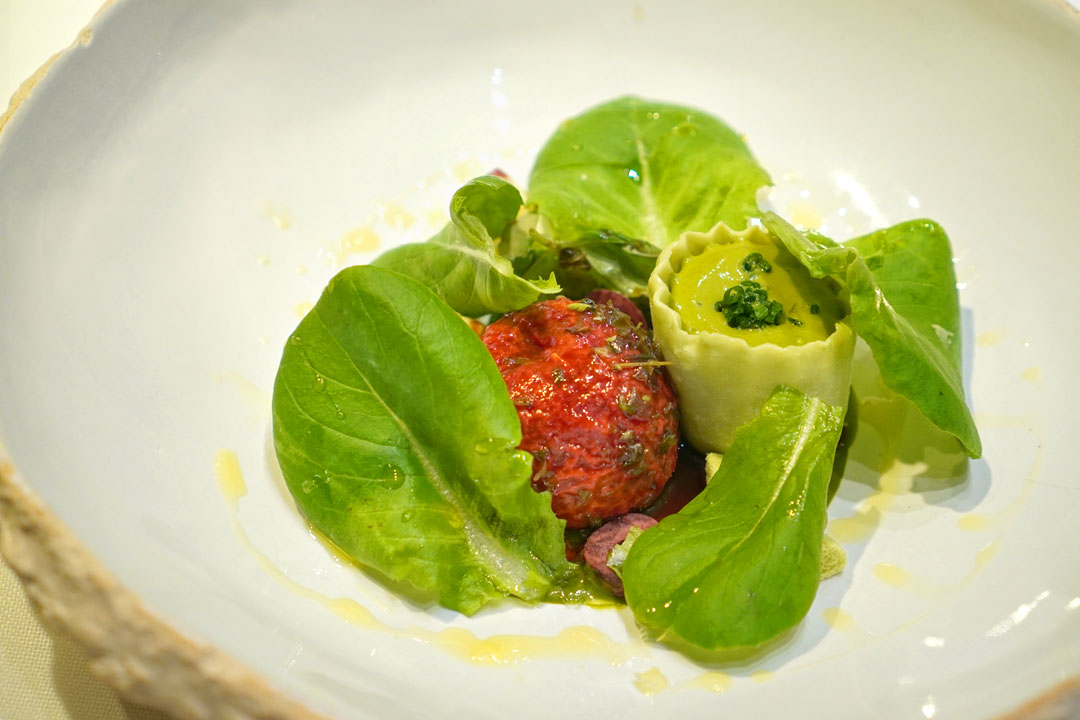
{"points": [[711, 408]]}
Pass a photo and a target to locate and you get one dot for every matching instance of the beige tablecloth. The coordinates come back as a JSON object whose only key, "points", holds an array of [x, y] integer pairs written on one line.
{"points": [[44, 674]]}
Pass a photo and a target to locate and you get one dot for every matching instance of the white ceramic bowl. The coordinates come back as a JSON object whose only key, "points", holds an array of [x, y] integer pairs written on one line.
{"points": [[179, 185]]}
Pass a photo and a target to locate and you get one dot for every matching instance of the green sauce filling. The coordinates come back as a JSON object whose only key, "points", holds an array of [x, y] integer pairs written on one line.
{"points": [[755, 290]]}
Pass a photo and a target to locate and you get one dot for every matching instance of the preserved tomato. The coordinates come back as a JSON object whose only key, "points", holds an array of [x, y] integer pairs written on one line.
{"points": [[597, 411]]}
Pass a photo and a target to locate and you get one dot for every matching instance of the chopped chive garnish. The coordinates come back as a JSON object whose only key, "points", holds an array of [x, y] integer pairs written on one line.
{"points": [[747, 306], [755, 261]]}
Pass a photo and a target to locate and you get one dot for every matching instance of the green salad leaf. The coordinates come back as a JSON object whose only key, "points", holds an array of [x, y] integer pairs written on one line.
{"points": [[397, 438], [607, 261], [599, 260], [643, 171], [461, 262], [904, 304], [741, 562]]}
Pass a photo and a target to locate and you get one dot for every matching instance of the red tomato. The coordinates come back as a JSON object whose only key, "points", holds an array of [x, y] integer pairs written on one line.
{"points": [[597, 412]]}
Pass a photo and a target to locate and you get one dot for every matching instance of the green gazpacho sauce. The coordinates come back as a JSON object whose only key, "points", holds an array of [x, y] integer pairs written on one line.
{"points": [[755, 290]]}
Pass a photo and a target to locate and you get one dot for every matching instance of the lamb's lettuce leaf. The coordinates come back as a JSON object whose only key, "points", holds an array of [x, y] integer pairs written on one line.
{"points": [[599, 260], [397, 438], [904, 304], [740, 564], [645, 171], [606, 261], [461, 262]]}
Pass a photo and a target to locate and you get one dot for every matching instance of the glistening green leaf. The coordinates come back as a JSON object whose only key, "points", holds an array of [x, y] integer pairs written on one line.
{"points": [[397, 437], [643, 170], [461, 263], [608, 261], [904, 304], [599, 260], [740, 564]]}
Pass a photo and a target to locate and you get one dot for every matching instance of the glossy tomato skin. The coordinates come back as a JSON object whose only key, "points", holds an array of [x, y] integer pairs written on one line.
{"points": [[597, 413]]}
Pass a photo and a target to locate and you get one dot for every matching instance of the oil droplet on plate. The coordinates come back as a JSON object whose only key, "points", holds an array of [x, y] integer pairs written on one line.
{"points": [[352, 612], [281, 219], [979, 522], [986, 554], [358, 240], [573, 642], [301, 309], [989, 338], [255, 397], [974, 522], [894, 483], [716, 682], [892, 575], [230, 477], [1034, 376], [762, 676], [856, 528], [651, 681], [396, 216], [839, 620]]}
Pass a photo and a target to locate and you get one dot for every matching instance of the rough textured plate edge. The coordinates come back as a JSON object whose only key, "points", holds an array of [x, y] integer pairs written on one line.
{"points": [[1061, 702], [27, 86], [146, 660]]}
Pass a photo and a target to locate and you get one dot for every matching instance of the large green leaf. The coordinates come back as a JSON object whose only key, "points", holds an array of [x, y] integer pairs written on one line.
{"points": [[397, 437], [643, 170], [741, 562], [599, 260], [904, 304], [604, 261], [461, 264]]}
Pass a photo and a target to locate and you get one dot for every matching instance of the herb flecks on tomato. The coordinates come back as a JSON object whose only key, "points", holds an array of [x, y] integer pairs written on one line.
{"points": [[597, 411]]}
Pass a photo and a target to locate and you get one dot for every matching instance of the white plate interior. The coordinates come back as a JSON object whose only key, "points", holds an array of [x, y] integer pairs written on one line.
{"points": [[177, 190]]}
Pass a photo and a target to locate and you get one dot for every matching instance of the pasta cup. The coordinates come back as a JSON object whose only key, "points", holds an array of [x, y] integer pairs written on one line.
{"points": [[722, 381]]}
